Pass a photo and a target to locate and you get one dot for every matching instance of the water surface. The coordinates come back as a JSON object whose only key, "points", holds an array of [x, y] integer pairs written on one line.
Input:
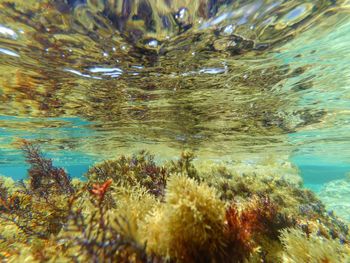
{"points": [[228, 79]]}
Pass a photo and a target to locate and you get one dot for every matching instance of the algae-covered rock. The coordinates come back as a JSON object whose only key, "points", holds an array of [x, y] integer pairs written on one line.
{"points": [[302, 248], [133, 209], [281, 183]]}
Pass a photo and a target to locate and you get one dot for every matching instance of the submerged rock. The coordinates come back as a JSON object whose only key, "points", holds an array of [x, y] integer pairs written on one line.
{"points": [[336, 196]]}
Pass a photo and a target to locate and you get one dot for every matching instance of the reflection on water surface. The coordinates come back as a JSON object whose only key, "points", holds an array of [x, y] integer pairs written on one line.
{"points": [[228, 79]]}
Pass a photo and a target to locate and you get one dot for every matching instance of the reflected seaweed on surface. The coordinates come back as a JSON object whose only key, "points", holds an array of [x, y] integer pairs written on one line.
{"points": [[117, 64]]}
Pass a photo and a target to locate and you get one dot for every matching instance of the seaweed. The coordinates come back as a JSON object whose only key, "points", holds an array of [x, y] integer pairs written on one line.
{"points": [[189, 226], [281, 184], [266, 218], [132, 209], [299, 247], [140, 169], [185, 166], [43, 176], [249, 228], [95, 237], [37, 207], [238, 233]]}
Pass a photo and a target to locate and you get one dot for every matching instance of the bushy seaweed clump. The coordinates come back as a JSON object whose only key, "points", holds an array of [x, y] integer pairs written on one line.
{"points": [[302, 247], [38, 206], [189, 225], [44, 178], [132, 209], [139, 169]]}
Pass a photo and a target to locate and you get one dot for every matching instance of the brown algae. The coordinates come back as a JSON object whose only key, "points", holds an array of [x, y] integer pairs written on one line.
{"points": [[132, 209]]}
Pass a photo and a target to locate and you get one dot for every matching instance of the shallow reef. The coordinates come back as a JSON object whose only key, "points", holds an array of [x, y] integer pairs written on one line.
{"points": [[133, 209], [336, 196]]}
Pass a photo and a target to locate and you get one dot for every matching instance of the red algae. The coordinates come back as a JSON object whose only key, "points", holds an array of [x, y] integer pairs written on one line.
{"points": [[133, 210]]}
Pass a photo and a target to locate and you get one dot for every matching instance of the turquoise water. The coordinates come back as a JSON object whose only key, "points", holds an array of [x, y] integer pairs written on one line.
{"points": [[323, 152], [230, 80]]}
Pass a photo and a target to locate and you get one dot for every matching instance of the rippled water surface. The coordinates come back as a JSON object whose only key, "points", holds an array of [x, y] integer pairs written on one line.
{"points": [[91, 79]]}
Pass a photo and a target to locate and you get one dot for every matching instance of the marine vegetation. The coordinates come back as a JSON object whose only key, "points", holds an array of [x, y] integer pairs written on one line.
{"points": [[133, 209]]}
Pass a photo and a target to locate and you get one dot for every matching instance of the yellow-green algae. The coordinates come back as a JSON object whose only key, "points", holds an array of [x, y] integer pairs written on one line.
{"points": [[132, 209]]}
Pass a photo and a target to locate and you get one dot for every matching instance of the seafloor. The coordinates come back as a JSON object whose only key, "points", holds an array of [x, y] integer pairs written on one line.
{"points": [[132, 209]]}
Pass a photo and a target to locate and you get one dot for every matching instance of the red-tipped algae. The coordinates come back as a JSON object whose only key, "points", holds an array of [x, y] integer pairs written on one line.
{"points": [[131, 209]]}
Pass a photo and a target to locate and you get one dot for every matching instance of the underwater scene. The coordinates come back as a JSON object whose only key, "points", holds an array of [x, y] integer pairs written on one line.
{"points": [[175, 131]]}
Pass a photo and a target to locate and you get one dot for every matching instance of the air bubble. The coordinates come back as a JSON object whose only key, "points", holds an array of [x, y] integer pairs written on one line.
{"points": [[228, 30], [153, 43]]}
